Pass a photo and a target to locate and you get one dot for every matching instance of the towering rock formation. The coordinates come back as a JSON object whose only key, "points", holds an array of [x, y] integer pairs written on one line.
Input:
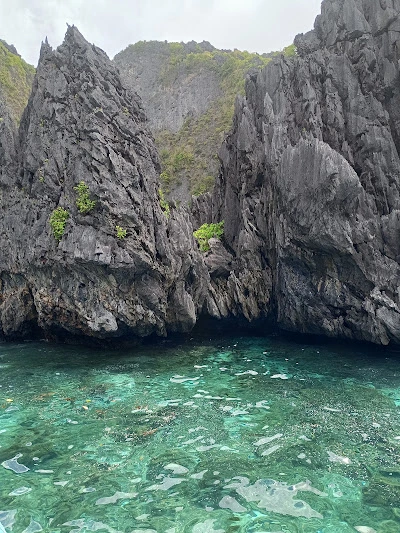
{"points": [[309, 190], [310, 180], [106, 269]]}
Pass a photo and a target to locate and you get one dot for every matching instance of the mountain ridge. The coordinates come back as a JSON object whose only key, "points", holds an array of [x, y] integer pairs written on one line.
{"points": [[188, 91], [308, 189]]}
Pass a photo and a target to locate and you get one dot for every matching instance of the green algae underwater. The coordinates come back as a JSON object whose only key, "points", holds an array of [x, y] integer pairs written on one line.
{"points": [[242, 434]]}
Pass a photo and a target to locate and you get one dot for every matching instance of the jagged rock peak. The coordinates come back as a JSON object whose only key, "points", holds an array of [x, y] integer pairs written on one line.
{"points": [[73, 35], [74, 39], [346, 20], [314, 152], [83, 125], [74, 43], [45, 50]]}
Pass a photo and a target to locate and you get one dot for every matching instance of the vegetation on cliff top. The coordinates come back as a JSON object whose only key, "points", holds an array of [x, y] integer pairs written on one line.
{"points": [[16, 78], [190, 155]]}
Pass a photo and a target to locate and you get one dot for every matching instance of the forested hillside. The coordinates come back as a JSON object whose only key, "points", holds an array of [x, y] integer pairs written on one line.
{"points": [[16, 78], [188, 92]]}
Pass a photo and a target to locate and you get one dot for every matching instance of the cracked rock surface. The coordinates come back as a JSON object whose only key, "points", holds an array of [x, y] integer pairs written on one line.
{"points": [[82, 124], [311, 176], [309, 190]]}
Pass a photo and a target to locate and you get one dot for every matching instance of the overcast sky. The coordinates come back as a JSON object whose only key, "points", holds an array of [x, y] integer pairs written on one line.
{"points": [[253, 25]]}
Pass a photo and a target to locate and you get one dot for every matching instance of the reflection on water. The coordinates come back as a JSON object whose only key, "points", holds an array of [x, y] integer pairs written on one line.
{"points": [[254, 435]]}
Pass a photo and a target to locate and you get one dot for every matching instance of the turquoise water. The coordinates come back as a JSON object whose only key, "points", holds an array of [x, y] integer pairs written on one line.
{"points": [[238, 435]]}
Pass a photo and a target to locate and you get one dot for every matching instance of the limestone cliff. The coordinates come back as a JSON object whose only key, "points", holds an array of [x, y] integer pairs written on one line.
{"points": [[110, 269], [309, 188], [16, 79], [188, 92]]}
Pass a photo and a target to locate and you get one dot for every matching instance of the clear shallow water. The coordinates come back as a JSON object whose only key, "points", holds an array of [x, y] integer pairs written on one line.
{"points": [[249, 435]]}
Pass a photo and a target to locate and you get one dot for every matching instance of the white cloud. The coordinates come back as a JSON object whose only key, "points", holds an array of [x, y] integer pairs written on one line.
{"points": [[254, 25]]}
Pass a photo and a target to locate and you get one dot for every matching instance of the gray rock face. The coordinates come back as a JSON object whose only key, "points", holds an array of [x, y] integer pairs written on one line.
{"points": [[309, 190], [311, 176], [7, 137], [83, 125], [168, 102]]}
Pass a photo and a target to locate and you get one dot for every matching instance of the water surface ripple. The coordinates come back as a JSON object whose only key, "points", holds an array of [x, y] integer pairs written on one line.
{"points": [[256, 435]]}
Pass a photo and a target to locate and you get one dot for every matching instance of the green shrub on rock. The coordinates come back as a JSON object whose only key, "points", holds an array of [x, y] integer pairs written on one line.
{"points": [[121, 232], [83, 201], [206, 232], [164, 204], [58, 219]]}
